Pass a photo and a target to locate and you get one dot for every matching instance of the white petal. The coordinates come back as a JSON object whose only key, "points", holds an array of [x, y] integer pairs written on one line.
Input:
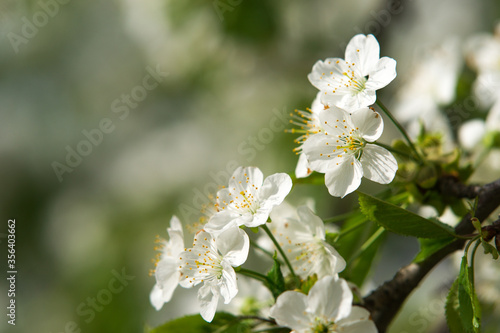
{"points": [[382, 74], [289, 310], [176, 242], [260, 217], [358, 322], [378, 164], [331, 117], [221, 221], [156, 297], [471, 133], [351, 102], [344, 178], [302, 170], [319, 149], [167, 276], [358, 313], [369, 122], [320, 74], [208, 297], [228, 286], [313, 223], [366, 326], [336, 263], [283, 211], [233, 244], [330, 298], [244, 177], [317, 106], [274, 189], [364, 51], [493, 118]]}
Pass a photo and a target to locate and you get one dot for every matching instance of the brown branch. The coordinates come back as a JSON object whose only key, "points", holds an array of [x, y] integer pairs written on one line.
{"points": [[385, 301]]}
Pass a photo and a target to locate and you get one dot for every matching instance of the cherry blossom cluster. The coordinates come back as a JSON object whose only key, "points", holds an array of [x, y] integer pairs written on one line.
{"points": [[338, 139], [340, 129], [222, 244]]}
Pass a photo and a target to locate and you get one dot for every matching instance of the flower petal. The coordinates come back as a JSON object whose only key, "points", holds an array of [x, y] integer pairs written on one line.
{"points": [[234, 245], [330, 298], [378, 164], [320, 151], [350, 101], [381, 74], [244, 177], [208, 296], [369, 123], [227, 285], [312, 222], [364, 51], [167, 276], [224, 220], [274, 189], [344, 178], [156, 297], [289, 310], [357, 321], [471, 133], [302, 169], [320, 76], [334, 264]]}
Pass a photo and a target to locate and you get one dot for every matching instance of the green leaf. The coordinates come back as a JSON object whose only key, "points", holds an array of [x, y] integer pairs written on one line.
{"points": [[360, 267], [401, 221], [222, 322], [451, 310], [488, 248], [430, 246], [468, 304], [276, 280], [355, 231]]}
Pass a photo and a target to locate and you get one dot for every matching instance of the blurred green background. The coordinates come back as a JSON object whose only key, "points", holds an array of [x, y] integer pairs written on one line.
{"points": [[225, 70]]}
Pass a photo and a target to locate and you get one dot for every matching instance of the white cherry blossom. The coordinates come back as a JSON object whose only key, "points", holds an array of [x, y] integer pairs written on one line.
{"points": [[483, 55], [301, 234], [430, 85], [350, 84], [307, 123], [327, 308], [167, 266], [248, 199], [210, 261], [342, 150], [472, 132]]}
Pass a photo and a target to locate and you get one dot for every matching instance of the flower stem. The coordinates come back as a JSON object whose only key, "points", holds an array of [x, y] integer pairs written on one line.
{"points": [[351, 229], [395, 151], [338, 218], [472, 257], [280, 250], [253, 274], [257, 246], [380, 231], [482, 156], [400, 128]]}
